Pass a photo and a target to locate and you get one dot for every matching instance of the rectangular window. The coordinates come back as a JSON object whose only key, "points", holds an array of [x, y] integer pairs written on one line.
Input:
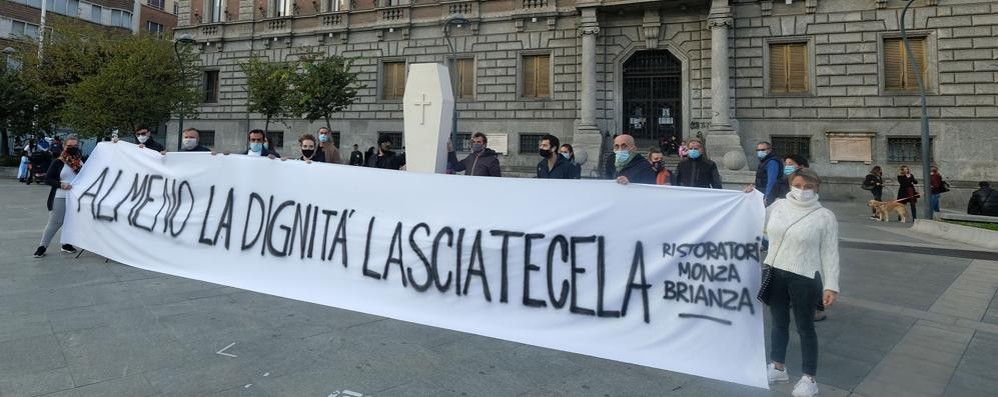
{"points": [[126, 19], [906, 150], [176, 7], [210, 86], [393, 81], [334, 5], [275, 139], [899, 72], [282, 8], [206, 138], [24, 29], [157, 4], [215, 9], [73, 8], [799, 145], [463, 143], [529, 142], [788, 68], [465, 84], [154, 27], [537, 76], [34, 3], [95, 13], [115, 17], [335, 135], [395, 137]]}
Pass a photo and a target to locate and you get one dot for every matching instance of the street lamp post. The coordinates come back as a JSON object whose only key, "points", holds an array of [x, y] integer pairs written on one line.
{"points": [[182, 39], [458, 22], [926, 181], [7, 52]]}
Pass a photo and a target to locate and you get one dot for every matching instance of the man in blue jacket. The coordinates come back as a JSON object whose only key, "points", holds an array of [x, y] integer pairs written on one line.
{"points": [[768, 173]]}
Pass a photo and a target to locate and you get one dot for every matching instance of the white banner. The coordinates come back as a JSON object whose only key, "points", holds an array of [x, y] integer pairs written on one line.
{"points": [[659, 276]]}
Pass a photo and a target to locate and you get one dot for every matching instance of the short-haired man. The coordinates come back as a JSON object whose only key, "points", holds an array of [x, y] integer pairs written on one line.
{"points": [[146, 141], [697, 170], [628, 165], [482, 161], [768, 173], [257, 139], [331, 153], [553, 165], [662, 174], [356, 157], [385, 157], [189, 141]]}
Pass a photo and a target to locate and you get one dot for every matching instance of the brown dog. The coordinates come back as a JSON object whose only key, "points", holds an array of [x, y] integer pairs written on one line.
{"points": [[884, 208]]}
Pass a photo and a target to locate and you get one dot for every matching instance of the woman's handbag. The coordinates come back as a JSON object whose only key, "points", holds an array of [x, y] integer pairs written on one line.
{"points": [[868, 184], [767, 271], [944, 187]]}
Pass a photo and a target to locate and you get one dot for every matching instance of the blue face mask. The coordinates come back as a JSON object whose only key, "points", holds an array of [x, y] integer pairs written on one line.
{"points": [[693, 153], [323, 138], [477, 147], [789, 169], [256, 147], [622, 156], [761, 154], [567, 156]]}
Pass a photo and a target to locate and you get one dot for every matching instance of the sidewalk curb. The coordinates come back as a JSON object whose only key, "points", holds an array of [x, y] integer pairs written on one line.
{"points": [[959, 233]]}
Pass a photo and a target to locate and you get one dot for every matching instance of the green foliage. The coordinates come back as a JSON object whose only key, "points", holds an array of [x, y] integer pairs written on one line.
{"points": [[267, 88], [323, 86], [17, 100]]}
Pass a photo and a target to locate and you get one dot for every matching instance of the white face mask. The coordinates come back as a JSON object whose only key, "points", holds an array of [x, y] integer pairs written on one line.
{"points": [[142, 138], [189, 143], [802, 195]]}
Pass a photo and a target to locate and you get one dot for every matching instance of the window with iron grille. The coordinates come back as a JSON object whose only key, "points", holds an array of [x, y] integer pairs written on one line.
{"points": [[210, 86], [395, 138], [529, 142], [206, 138], [275, 139], [906, 149], [463, 142], [335, 136], [784, 145]]}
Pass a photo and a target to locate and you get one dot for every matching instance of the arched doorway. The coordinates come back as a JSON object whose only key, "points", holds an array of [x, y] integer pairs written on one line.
{"points": [[652, 95]]}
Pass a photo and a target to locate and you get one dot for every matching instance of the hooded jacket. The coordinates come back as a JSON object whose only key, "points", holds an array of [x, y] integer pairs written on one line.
{"points": [[486, 164]]}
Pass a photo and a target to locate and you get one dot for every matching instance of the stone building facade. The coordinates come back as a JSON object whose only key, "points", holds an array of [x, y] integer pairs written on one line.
{"points": [[817, 77]]}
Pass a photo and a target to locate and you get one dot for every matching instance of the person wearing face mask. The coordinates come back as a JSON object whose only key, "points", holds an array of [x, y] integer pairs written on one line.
{"points": [[482, 161], [662, 174], [907, 193], [553, 165], [385, 157], [568, 153], [329, 151], [59, 175], [803, 245], [629, 166], [309, 152], [258, 145], [697, 170], [146, 141], [768, 174], [791, 163], [189, 142]]}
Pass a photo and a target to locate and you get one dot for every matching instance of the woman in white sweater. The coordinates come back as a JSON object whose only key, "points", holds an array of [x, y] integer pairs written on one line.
{"points": [[803, 242]]}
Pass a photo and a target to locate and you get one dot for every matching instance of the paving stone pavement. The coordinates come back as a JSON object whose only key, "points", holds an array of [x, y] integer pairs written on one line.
{"points": [[908, 324]]}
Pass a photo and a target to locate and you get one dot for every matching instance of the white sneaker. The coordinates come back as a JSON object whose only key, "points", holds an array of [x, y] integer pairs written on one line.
{"points": [[805, 387], [775, 375]]}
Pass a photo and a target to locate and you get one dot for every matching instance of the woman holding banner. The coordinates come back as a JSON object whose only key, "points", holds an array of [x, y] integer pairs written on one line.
{"points": [[308, 149], [803, 245], [62, 171]]}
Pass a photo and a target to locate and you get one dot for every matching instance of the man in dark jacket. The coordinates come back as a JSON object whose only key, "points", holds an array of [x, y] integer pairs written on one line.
{"points": [[145, 140], [482, 161], [768, 173], [697, 170], [191, 141], [553, 165], [983, 201], [356, 157], [257, 147], [628, 165], [385, 157]]}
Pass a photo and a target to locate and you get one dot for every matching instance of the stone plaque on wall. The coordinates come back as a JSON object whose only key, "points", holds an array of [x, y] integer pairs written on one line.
{"points": [[850, 146], [498, 142]]}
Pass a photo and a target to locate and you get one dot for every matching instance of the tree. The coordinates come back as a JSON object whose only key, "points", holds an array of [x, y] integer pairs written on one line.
{"points": [[141, 84], [267, 88], [323, 86], [17, 101]]}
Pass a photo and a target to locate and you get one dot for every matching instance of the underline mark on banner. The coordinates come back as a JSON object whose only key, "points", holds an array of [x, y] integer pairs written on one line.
{"points": [[223, 353], [701, 316]]}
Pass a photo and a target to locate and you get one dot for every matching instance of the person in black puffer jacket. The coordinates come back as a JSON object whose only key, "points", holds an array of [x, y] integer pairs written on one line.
{"points": [[482, 161], [983, 201], [697, 170]]}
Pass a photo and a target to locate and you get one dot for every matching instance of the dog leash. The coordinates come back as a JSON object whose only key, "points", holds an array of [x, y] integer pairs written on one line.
{"points": [[906, 198]]}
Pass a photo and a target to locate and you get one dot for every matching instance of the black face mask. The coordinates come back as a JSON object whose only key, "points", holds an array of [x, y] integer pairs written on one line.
{"points": [[73, 151], [656, 166], [545, 153], [386, 147], [307, 153]]}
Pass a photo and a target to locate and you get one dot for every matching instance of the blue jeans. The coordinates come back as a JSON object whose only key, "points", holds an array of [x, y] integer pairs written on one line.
{"points": [[934, 201]]}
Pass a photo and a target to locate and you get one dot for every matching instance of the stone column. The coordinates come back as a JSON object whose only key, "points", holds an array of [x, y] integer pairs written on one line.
{"points": [[587, 138], [722, 139]]}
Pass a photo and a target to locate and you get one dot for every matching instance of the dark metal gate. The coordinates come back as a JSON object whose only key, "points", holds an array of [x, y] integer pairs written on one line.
{"points": [[652, 95]]}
